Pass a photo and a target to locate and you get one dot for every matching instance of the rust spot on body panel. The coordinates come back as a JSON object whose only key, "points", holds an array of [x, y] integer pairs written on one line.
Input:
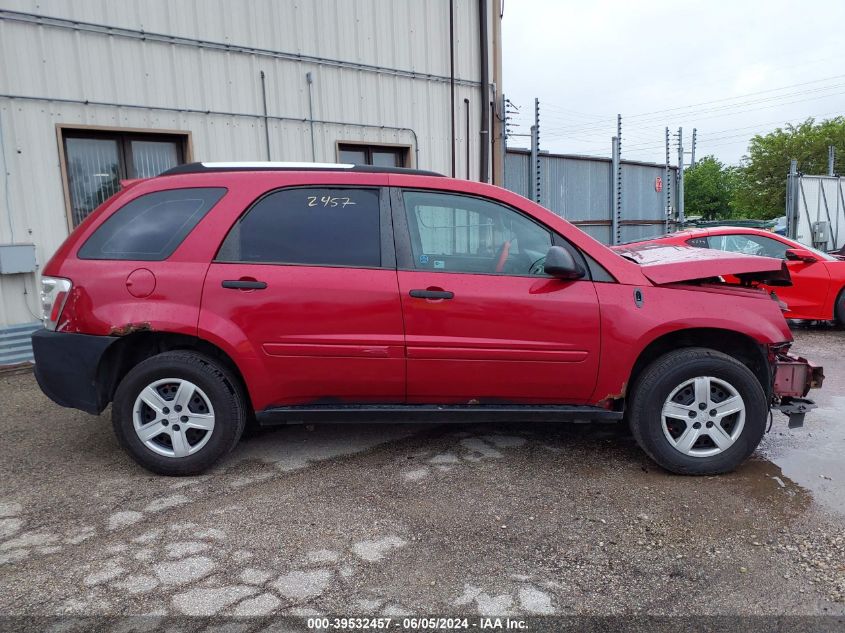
{"points": [[130, 328]]}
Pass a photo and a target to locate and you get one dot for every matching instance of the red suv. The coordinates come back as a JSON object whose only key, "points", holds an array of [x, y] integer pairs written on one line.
{"points": [[216, 294]]}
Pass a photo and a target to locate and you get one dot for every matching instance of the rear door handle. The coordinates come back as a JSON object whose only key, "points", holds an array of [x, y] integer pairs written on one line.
{"points": [[431, 294], [244, 284]]}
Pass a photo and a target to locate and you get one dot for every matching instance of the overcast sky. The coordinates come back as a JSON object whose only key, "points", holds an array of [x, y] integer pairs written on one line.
{"points": [[731, 69]]}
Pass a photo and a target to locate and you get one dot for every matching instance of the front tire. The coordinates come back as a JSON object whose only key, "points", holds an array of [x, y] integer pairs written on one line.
{"points": [[839, 309], [697, 411], [178, 413]]}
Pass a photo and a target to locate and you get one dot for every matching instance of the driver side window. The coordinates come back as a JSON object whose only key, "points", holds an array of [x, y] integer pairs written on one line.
{"points": [[456, 233]]}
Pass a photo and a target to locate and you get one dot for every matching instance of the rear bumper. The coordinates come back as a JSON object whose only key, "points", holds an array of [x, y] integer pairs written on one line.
{"points": [[66, 368]]}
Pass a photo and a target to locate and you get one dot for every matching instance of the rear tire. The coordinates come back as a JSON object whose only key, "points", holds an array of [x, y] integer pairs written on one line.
{"points": [[703, 387], [195, 405]]}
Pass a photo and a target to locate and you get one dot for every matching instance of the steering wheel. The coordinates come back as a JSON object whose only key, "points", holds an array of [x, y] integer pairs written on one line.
{"points": [[504, 251]]}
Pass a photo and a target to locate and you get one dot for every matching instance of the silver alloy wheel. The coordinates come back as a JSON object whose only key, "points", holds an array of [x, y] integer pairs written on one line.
{"points": [[703, 416], [173, 417]]}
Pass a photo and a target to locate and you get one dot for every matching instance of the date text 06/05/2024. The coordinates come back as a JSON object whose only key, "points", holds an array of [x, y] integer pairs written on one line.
{"points": [[415, 623]]}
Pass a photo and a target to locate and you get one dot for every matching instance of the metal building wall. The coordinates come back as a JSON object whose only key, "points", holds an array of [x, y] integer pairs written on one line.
{"points": [[578, 188], [819, 202], [380, 72]]}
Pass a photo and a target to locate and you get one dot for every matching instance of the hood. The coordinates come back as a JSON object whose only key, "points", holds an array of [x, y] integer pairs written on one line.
{"points": [[668, 264]]}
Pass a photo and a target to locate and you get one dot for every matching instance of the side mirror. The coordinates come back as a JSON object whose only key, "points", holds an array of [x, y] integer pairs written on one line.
{"points": [[801, 255], [560, 264]]}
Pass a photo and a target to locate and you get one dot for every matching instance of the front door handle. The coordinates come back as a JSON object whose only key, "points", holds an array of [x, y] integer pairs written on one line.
{"points": [[244, 284], [431, 294]]}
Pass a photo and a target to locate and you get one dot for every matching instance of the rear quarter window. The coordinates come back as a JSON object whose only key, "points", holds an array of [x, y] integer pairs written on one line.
{"points": [[151, 227]]}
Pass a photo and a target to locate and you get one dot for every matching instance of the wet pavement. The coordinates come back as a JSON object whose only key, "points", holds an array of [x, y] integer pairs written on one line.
{"points": [[814, 456], [392, 519]]}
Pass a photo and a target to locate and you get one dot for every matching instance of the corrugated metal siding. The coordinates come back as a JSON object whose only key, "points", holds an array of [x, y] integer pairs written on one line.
{"points": [[410, 35], [579, 190], [15, 343], [59, 62]]}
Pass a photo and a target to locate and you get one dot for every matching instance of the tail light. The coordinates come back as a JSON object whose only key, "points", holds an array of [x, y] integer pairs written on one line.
{"points": [[54, 294]]}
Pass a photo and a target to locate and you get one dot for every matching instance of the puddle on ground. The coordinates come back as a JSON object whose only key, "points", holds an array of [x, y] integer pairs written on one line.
{"points": [[812, 456], [767, 482]]}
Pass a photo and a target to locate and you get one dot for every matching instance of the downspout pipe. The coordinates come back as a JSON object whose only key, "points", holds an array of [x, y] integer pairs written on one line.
{"points": [[310, 79], [452, 77], [466, 137], [484, 146], [266, 121]]}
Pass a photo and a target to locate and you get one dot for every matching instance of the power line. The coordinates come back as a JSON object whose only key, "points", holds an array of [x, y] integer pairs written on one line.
{"points": [[655, 116], [740, 96], [563, 133]]}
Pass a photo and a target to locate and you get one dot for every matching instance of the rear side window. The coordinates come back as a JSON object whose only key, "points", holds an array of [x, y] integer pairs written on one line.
{"points": [[152, 226], [310, 226], [749, 245]]}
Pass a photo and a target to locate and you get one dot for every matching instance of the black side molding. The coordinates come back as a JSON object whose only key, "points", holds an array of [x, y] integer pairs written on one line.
{"points": [[398, 413]]}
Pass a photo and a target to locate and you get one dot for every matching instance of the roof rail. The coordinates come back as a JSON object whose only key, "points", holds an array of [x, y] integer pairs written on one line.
{"points": [[198, 168]]}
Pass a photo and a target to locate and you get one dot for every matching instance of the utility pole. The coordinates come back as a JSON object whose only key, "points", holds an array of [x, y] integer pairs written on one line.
{"points": [[792, 184], [614, 193], [667, 182], [831, 160], [616, 219], [499, 174], [692, 158], [535, 153], [681, 218]]}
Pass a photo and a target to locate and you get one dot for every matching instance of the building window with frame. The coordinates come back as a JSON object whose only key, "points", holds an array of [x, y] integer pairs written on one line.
{"points": [[95, 161], [378, 155]]}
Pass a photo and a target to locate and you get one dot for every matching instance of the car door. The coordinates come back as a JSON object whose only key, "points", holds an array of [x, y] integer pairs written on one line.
{"points": [[483, 323], [305, 285], [810, 280]]}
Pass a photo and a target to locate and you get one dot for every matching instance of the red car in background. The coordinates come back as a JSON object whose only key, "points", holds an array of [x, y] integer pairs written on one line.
{"points": [[818, 279]]}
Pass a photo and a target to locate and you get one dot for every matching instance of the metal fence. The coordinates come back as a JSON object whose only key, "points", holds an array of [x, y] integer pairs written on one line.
{"points": [[816, 210], [580, 189]]}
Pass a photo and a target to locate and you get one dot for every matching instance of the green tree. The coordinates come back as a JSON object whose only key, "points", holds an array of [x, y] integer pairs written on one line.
{"points": [[761, 183], [709, 189]]}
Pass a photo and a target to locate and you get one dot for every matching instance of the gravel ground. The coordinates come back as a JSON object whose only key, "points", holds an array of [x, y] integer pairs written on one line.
{"points": [[400, 519]]}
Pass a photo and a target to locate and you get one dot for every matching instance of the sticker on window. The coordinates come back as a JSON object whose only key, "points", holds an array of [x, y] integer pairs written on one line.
{"points": [[423, 259], [439, 263]]}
